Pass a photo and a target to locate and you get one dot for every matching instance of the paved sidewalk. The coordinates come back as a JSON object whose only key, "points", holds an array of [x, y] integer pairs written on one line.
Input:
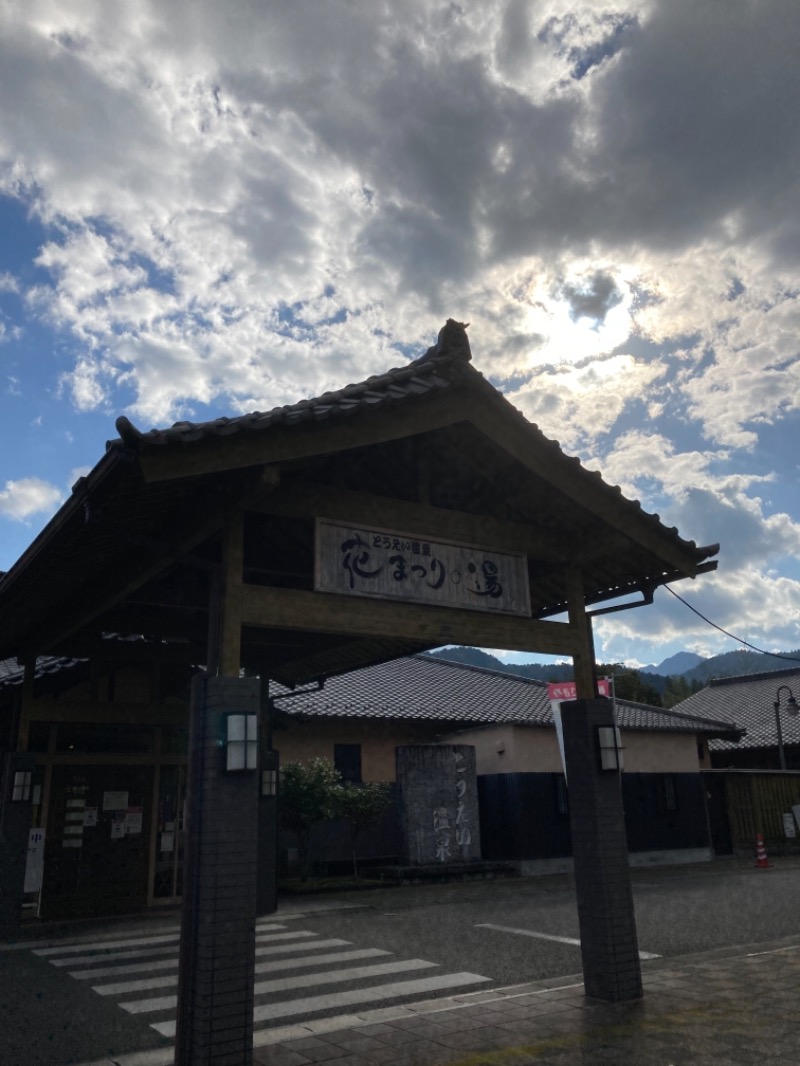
{"points": [[736, 1007]]}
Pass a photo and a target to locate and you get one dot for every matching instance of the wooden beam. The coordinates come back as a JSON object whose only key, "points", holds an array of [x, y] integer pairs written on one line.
{"points": [[310, 499], [230, 638], [89, 611], [583, 650], [48, 710], [434, 626], [280, 443]]}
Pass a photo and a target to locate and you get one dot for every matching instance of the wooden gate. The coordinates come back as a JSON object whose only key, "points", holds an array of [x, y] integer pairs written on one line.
{"points": [[756, 802]]}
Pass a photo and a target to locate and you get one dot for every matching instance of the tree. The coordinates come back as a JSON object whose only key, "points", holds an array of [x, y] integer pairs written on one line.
{"points": [[676, 689], [629, 684], [308, 795], [362, 806]]}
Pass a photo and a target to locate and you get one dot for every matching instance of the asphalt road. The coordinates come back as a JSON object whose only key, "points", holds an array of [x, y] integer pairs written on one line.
{"points": [[506, 932], [679, 911]]}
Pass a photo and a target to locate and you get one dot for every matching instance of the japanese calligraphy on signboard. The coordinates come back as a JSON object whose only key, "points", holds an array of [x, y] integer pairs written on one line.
{"points": [[389, 565]]}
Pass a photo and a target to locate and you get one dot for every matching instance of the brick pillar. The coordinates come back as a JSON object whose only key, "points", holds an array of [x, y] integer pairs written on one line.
{"points": [[609, 946], [215, 985], [15, 823]]}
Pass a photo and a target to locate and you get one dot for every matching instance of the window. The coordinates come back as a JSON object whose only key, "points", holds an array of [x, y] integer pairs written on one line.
{"points": [[347, 760]]}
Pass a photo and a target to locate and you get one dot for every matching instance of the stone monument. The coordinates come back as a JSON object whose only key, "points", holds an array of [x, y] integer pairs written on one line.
{"points": [[438, 804]]}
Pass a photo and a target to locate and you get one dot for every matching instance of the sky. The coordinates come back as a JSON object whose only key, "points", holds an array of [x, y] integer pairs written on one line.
{"points": [[208, 209]]}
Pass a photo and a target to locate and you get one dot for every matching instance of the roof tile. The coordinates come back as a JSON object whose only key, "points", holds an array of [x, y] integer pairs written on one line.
{"points": [[750, 700], [419, 687]]}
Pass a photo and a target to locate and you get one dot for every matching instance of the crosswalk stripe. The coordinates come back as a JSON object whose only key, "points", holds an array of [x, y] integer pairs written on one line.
{"points": [[296, 934], [115, 956], [107, 945], [100, 946], [143, 985], [120, 971], [315, 960], [285, 949], [353, 997], [261, 967], [148, 964], [87, 959], [286, 984], [353, 973]]}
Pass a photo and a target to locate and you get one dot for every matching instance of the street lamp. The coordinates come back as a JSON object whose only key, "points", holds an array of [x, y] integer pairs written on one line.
{"points": [[793, 709]]}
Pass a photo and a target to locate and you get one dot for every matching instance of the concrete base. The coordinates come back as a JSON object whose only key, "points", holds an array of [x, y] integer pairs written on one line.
{"points": [[565, 865], [673, 857], [467, 871]]}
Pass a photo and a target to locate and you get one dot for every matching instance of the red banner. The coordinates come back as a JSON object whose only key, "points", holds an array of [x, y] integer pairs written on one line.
{"points": [[566, 690]]}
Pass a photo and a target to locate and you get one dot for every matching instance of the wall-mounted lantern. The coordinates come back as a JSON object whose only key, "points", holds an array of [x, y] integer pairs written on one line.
{"points": [[610, 745], [21, 788], [241, 742]]}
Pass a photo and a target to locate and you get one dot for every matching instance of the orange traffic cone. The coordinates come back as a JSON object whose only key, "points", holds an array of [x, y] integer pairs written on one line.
{"points": [[761, 853]]}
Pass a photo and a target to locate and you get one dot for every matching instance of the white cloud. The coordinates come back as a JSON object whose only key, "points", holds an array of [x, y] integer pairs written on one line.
{"points": [[750, 604], [576, 404], [212, 172], [252, 202], [704, 501], [29, 496]]}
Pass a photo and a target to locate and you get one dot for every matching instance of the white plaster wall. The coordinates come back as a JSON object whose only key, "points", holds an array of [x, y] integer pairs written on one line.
{"points": [[664, 753], [303, 741], [534, 749]]}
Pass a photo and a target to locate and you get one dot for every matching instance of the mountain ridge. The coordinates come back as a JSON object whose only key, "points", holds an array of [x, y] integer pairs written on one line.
{"points": [[643, 684]]}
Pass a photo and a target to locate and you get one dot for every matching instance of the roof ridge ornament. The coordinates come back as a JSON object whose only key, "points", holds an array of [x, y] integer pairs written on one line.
{"points": [[452, 341], [129, 434]]}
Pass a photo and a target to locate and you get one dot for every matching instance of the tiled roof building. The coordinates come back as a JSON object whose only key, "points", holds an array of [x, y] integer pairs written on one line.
{"points": [[750, 701]]}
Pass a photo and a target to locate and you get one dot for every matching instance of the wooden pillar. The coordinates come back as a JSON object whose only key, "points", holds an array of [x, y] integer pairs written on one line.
{"points": [[19, 742], [609, 945], [230, 637], [583, 652]]}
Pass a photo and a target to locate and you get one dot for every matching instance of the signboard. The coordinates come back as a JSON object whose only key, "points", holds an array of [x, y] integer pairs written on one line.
{"points": [[34, 863], [133, 821], [115, 801], [566, 690], [388, 565]]}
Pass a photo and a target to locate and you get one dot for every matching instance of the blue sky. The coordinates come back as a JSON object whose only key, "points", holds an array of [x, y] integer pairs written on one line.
{"points": [[207, 209]]}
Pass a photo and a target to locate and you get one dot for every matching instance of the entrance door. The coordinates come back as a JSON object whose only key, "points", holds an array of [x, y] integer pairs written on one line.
{"points": [[97, 845]]}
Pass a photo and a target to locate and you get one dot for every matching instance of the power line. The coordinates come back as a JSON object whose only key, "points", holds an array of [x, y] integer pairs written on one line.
{"points": [[774, 654]]}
